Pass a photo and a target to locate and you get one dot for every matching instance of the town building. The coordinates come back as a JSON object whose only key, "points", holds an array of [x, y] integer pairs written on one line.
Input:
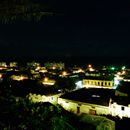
{"points": [[54, 65], [13, 64], [98, 82], [94, 101]]}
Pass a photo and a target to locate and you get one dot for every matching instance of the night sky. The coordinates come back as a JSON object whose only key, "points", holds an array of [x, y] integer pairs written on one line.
{"points": [[84, 29]]}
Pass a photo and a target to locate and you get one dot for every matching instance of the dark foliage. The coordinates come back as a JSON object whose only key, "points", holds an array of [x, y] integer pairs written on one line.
{"points": [[24, 115]]}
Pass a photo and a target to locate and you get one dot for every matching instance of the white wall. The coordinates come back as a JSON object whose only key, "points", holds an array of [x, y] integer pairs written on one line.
{"points": [[120, 110], [84, 107], [42, 98]]}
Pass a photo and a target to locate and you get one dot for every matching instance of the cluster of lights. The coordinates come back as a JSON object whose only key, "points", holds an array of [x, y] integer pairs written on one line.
{"points": [[19, 78], [90, 68]]}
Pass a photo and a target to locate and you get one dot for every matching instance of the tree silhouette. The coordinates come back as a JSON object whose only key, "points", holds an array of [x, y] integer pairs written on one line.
{"points": [[65, 84], [13, 10]]}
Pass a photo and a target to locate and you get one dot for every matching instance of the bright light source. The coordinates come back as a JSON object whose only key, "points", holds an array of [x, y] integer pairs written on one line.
{"points": [[21, 78], [64, 73], [53, 67], [45, 79], [95, 96], [113, 68], [119, 73], [79, 85], [123, 72], [91, 69], [89, 66], [38, 68], [0, 75], [123, 67], [80, 70], [116, 81]]}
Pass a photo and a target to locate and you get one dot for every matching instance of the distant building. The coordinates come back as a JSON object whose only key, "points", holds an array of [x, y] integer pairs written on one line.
{"points": [[33, 64], [19, 77], [13, 64], [54, 65], [49, 82], [77, 70], [97, 82], [43, 70], [93, 73], [3, 64], [34, 91]]}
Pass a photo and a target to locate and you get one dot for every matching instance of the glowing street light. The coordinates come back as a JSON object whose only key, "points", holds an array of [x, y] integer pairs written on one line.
{"points": [[112, 68], [21, 78], [123, 67], [53, 67], [45, 79], [90, 66], [0, 75], [64, 73]]}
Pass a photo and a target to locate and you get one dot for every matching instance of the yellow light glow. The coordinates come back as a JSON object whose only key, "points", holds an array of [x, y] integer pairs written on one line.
{"points": [[53, 67], [0, 75], [48, 81], [123, 72], [64, 73], [119, 73], [45, 79], [1, 68], [89, 66], [21, 78], [91, 69], [80, 70], [38, 68]]}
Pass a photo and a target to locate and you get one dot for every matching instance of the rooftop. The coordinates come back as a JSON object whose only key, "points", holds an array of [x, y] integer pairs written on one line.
{"points": [[97, 96], [23, 88], [99, 78]]}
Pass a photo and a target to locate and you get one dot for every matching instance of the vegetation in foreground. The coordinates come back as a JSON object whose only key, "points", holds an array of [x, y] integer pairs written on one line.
{"points": [[22, 114]]}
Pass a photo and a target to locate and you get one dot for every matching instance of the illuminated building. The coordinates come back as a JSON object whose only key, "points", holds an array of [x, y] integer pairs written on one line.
{"points": [[98, 83], [95, 101], [3, 64], [90, 101], [13, 64], [47, 81], [43, 70], [77, 70], [64, 74], [18, 77], [94, 74]]}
